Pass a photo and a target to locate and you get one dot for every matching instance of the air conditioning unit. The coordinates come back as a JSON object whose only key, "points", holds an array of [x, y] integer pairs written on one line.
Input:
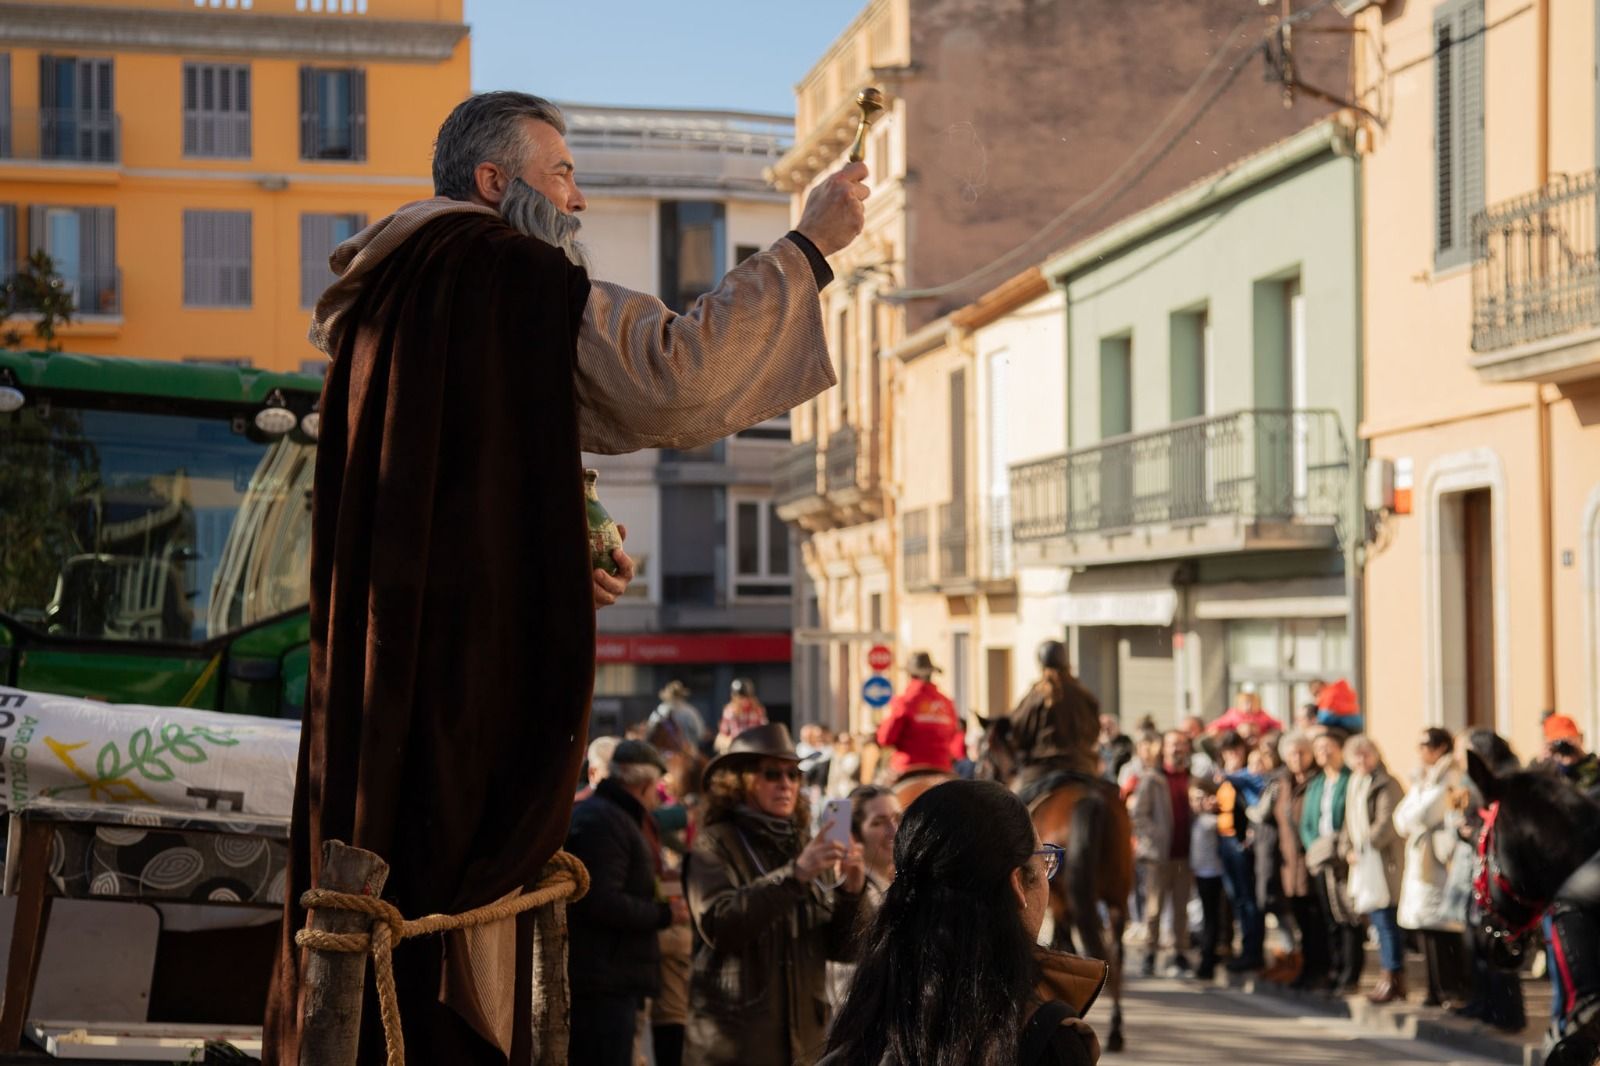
{"points": [[1380, 485]]}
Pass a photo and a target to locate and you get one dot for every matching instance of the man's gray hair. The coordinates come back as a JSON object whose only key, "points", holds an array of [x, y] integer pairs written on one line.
{"points": [[634, 774], [487, 128]]}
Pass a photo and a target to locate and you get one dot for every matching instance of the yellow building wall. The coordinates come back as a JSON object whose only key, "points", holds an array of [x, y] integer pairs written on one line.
{"points": [[154, 183]]}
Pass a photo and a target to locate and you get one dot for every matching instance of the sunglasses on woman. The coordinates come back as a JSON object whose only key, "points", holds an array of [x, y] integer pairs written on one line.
{"points": [[1053, 854], [790, 773]]}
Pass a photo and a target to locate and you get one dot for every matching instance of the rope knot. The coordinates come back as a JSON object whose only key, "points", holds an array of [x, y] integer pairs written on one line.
{"points": [[564, 879]]}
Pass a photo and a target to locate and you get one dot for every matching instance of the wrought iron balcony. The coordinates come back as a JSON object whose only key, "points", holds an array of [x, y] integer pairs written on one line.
{"points": [[955, 542], [61, 135], [1535, 272], [914, 548], [1260, 466], [796, 479], [844, 450]]}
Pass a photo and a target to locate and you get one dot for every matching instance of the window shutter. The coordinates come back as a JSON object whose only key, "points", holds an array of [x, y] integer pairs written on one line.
{"points": [[35, 228], [98, 292], [191, 105], [243, 126], [309, 146], [242, 256], [358, 114], [8, 241], [1444, 123], [1469, 121], [194, 274], [5, 105], [47, 83], [958, 435], [316, 238]]}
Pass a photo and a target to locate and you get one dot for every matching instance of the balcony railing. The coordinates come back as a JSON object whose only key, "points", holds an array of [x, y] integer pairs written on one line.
{"points": [[1258, 465], [844, 450], [1535, 271], [914, 547], [61, 134], [955, 541], [797, 474], [93, 293]]}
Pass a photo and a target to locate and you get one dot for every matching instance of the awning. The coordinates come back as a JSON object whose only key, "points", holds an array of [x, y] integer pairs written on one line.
{"points": [[1304, 597], [1121, 596]]}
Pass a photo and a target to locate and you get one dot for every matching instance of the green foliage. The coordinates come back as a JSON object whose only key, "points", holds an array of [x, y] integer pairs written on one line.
{"points": [[36, 289], [49, 468]]}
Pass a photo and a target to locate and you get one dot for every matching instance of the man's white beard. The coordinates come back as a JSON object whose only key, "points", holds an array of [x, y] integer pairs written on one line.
{"points": [[532, 212]]}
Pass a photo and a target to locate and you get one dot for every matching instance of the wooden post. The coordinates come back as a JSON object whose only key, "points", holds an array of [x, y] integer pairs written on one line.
{"points": [[552, 1001], [27, 930], [334, 982]]}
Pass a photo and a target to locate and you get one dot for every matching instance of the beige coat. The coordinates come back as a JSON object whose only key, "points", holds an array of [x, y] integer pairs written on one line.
{"points": [[750, 350], [1369, 822]]}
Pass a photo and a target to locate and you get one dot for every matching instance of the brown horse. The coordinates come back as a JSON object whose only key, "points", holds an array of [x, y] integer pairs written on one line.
{"points": [[914, 782], [1097, 836]]}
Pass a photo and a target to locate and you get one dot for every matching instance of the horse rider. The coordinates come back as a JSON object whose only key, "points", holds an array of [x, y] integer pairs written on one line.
{"points": [[922, 725], [679, 724], [1056, 728], [743, 711]]}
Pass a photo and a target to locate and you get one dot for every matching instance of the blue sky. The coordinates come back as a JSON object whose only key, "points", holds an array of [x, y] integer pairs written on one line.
{"points": [[744, 54]]}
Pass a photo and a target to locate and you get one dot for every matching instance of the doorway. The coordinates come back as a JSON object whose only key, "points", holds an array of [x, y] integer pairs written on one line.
{"points": [[1468, 645]]}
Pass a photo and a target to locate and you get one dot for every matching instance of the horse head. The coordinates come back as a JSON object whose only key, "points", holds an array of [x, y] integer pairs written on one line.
{"points": [[1537, 829], [997, 760]]}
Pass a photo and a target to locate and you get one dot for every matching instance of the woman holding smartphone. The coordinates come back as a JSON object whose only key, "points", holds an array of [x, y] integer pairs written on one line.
{"points": [[765, 921]]}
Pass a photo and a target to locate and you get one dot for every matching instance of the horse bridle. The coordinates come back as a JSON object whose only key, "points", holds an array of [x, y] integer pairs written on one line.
{"points": [[1489, 879]]}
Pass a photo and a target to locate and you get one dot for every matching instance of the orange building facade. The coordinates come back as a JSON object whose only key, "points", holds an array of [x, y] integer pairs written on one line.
{"points": [[189, 164]]}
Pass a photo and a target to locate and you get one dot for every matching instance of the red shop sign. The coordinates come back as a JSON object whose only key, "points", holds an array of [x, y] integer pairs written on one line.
{"points": [[694, 648]]}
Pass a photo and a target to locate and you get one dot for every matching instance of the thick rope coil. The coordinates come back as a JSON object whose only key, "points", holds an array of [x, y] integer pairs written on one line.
{"points": [[565, 878]]}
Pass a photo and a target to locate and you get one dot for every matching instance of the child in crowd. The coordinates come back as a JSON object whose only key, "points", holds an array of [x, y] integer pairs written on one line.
{"points": [[1205, 859]]}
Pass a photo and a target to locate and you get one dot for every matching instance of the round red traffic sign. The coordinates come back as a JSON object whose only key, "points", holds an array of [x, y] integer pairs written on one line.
{"points": [[880, 658]]}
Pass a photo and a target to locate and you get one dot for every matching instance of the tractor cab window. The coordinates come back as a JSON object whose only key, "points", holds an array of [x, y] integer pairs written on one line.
{"points": [[146, 526]]}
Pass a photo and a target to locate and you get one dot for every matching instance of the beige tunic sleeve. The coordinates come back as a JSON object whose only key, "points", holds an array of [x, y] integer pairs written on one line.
{"points": [[752, 349]]}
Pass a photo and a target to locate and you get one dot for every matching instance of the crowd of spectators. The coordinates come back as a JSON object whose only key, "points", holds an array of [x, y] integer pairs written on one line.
{"points": [[1244, 820]]}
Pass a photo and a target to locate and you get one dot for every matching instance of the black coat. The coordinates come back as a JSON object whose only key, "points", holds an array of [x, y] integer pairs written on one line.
{"points": [[614, 949]]}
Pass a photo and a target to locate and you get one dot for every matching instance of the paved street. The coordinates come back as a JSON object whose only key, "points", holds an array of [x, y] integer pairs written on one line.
{"points": [[1173, 1023]]}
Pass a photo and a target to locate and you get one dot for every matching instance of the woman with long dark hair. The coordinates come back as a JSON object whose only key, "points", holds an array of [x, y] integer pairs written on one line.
{"points": [[951, 973]]}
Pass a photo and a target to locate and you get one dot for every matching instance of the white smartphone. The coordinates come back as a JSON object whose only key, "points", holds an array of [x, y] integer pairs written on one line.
{"points": [[836, 821]]}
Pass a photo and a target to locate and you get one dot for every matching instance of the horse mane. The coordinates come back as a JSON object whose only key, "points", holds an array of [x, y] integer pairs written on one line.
{"points": [[1546, 828]]}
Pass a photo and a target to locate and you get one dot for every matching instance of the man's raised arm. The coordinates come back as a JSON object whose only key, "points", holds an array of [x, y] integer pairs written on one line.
{"points": [[746, 352]]}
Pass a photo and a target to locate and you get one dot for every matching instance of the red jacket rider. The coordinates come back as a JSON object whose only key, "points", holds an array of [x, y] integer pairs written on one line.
{"points": [[922, 725]]}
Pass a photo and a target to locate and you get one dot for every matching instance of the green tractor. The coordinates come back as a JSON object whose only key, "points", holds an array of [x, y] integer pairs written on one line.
{"points": [[155, 531]]}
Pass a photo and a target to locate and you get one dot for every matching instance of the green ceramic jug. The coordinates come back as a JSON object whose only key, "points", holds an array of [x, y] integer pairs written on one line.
{"points": [[604, 537]]}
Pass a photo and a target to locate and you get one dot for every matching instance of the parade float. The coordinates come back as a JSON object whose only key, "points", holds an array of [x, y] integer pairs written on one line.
{"points": [[154, 542]]}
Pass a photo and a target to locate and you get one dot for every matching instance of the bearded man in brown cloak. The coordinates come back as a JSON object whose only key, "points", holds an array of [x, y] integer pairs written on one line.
{"points": [[473, 359]]}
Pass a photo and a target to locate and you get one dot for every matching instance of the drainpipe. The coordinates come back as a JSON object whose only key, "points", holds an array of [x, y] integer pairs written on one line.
{"points": [[1540, 405]]}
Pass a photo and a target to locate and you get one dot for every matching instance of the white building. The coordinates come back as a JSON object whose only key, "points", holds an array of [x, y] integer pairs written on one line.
{"points": [[676, 198]]}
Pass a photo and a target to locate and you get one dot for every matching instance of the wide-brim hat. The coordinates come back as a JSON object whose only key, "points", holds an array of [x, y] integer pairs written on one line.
{"points": [[921, 665], [769, 741]]}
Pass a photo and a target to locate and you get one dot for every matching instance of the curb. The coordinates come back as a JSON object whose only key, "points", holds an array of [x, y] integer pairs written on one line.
{"points": [[1405, 1021]]}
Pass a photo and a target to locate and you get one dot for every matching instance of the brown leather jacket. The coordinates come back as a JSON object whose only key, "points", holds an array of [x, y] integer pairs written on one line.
{"points": [[1049, 734], [757, 987], [1291, 802]]}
